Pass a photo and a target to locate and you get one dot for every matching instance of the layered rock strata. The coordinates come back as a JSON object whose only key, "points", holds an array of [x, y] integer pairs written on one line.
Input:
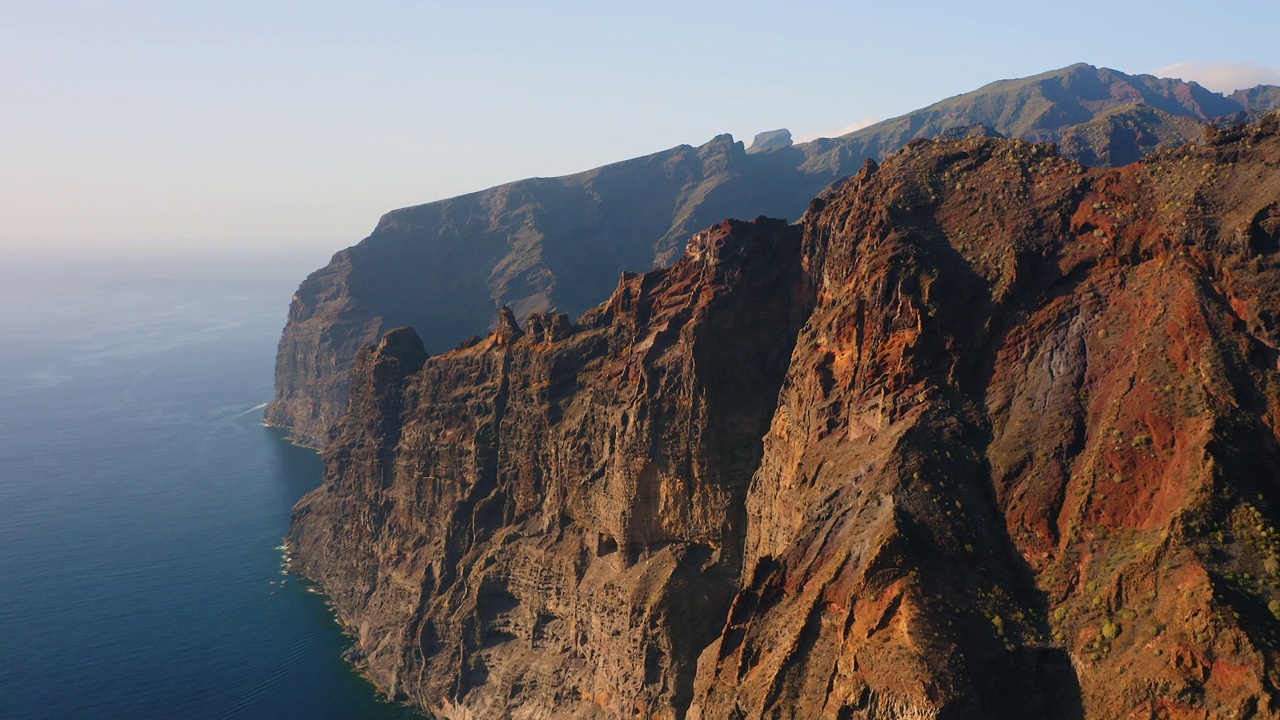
{"points": [[545, 245], [555, 244], [549, 522], [1019, 459]]}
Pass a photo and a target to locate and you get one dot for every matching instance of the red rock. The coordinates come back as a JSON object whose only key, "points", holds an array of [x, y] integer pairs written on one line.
{"points": [[1019, 459]]}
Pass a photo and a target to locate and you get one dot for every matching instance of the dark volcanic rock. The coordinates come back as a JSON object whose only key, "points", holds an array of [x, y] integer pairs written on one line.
{"points": [[539, 245], [1021, 461], [1126, 133], [554, 244], [1024, 463], [549, 523]]}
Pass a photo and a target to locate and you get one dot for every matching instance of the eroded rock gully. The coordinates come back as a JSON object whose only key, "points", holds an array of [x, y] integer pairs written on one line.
{"points": [[1019, 459]]}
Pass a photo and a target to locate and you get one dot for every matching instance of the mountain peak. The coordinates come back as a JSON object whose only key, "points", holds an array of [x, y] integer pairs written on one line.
{"points": [[507, 330], [771, 139], [1099, 115]]}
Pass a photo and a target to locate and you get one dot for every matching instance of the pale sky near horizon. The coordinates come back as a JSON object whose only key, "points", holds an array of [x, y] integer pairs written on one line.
{"points": [[187, 126]]}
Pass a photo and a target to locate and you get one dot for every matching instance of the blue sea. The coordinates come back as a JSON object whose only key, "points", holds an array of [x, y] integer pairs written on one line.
{"points": [[143, 504]]}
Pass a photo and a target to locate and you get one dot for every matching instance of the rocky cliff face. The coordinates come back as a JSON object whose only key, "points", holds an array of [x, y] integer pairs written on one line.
{"points": [[555, 244], [1024, 463], [549, 522], [1259, 99], [540, 245], [1019, 459]]}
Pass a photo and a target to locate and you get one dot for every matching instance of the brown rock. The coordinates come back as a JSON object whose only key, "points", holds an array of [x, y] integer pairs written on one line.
{"points": [[555, 244], [549, 523], [1019, 459], [1024, 461], [542, 245]]}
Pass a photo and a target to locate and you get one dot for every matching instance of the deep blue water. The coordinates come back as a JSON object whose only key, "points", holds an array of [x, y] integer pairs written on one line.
{"points": [[142, 504]]}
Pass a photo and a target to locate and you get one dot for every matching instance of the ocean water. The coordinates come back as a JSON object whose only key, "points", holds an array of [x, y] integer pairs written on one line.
{"points": [[142, 504]]}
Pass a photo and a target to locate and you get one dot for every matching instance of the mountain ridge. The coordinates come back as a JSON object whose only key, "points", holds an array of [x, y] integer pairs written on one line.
{"points": [[555, 243], [983, 489], [1038, 108]]}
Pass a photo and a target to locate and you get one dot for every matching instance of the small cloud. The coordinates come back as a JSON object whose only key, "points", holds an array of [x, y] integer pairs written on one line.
{"points": [[855, 125], [1223, 77]]}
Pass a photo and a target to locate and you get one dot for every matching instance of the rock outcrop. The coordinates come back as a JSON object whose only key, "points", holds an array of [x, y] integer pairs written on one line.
{"points": [[549, 522], [770, 140], [1024, 463], [540, 245], [554, 244], [1258, 99], [1020, 422]]}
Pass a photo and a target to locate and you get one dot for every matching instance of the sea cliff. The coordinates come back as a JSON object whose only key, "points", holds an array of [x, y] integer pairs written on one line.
{"points": [[987, 433]]}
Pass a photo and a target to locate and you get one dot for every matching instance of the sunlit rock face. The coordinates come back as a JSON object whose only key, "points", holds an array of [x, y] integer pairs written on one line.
{"points": [[986, 434], [558, 244]]}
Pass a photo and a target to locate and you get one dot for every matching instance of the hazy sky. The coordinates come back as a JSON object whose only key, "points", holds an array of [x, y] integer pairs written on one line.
{"points": [[178, 124]]}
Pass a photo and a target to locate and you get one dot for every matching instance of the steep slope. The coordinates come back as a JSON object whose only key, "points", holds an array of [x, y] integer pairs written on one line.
{"points": [[1023, 463], [1124, 134], [1259, 99], [535, 245], [557, 243], [1045, 107], [548, 522]]}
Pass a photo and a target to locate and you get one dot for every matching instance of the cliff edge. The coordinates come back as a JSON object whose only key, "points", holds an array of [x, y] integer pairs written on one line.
{"points": [[555, 244], [1019, 459], [552, 517]]}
